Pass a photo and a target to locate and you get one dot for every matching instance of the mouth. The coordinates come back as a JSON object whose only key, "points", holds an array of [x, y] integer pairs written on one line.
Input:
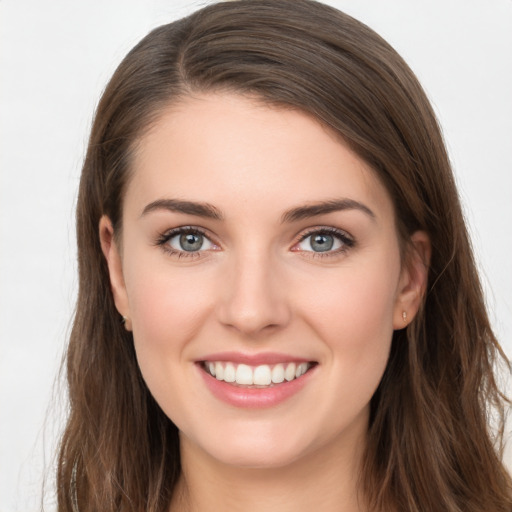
{"points": [[256, 377]]}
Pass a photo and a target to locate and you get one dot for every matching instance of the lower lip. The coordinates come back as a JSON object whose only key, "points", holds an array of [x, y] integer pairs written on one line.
{"points": [[255, 398]]}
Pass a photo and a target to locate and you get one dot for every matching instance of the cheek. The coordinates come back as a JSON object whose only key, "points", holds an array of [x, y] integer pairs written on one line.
{"points": [[355, 299], [353, 317], [167, 310], [165, 304], [367, 300], [353, 313], [167, 313]]}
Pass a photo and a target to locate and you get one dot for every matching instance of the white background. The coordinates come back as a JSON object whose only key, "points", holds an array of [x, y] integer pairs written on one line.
{"points": [[55, 59]]}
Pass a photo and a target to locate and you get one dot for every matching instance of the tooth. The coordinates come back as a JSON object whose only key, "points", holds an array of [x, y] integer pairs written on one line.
{"points": [[229, 372], [289, 373], [211, 368], [262, 375], [278, 374], [244, 375], [219, 371], [301, 369]]}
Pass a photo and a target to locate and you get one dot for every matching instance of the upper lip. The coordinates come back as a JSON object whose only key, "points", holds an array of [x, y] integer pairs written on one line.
{"points": [[254, 359]]}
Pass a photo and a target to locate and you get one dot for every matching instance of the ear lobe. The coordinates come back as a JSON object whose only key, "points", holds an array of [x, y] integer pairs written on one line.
{"points": [[111, 252], [413, 280]]}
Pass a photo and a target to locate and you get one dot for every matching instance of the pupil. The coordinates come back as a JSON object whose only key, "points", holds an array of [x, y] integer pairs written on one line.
{"points": [[322, 243], [191, 242]]}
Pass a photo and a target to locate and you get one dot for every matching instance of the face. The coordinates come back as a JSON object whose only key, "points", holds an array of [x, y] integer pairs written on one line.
{"points": [[260, 273]]}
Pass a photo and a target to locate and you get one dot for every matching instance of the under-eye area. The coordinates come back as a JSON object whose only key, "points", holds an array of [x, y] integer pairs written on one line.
{"points": [[263, 375]]}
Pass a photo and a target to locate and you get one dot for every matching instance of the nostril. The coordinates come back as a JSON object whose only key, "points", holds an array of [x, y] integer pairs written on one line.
{"points": [[253, 302]]}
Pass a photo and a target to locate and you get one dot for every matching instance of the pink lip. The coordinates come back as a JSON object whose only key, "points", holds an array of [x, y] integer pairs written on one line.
{"points": [[254, 398], [254, 359]]}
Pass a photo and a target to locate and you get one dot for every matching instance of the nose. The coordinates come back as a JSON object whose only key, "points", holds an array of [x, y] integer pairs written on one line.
{"points": [[254, 296]]}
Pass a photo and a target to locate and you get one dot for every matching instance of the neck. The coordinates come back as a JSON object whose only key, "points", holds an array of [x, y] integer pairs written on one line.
{"points": [[325, 481]]}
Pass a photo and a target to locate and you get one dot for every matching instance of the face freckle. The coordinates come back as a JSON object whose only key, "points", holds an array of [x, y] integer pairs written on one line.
{"points": [[252, 237]]}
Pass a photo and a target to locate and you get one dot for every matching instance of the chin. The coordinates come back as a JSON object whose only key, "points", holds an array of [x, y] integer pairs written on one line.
{"points": [[253, 450], [257, 458]]}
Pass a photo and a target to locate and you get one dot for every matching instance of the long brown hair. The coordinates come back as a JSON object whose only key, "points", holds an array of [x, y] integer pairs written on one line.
{"points": [[429, 443]]}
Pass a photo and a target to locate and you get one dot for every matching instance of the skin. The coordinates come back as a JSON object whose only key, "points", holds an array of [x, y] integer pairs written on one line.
{"points": [[258, 286]]}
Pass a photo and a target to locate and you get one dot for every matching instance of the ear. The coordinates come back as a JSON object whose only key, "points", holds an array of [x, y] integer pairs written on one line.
{"points": [[112, 255], [413, 280]]}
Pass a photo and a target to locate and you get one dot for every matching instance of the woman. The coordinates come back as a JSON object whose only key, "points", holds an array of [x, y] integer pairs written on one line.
{"points": [[278, 306]]}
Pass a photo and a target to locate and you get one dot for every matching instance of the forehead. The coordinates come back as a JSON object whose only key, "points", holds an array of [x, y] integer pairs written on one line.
{"points": [[227, 149]]}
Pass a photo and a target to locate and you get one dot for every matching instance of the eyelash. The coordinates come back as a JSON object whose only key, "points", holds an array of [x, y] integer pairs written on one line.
{"points": [[346, 241], [164, 238]]}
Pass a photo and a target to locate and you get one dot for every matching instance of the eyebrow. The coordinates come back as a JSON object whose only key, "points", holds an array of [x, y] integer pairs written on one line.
{"points": [[295, 214], [188, 207], [324, 207]]}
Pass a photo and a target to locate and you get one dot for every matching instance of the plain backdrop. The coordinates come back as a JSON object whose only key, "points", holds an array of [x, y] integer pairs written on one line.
{"points": [[55, 59]]}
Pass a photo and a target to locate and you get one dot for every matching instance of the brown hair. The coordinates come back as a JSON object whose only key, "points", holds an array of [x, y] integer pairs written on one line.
{"points": [[429, 443]]}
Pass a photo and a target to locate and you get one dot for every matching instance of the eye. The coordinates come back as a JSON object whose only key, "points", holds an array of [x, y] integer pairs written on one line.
{"points": [[325, 240], [185, 241], [190, 242], [320, 242]]}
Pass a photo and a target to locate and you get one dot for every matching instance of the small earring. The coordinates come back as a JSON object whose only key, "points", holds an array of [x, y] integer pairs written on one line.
{"points": [[404, 315], [125, 321]]}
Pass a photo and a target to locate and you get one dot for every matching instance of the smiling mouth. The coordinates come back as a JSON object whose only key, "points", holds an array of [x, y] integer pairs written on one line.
{"points": [[261, 376]]}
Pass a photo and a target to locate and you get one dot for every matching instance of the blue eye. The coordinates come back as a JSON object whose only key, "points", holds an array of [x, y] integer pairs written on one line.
{"points": [[189, 242], [185, 240], [322, 243], [325, 241]]}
